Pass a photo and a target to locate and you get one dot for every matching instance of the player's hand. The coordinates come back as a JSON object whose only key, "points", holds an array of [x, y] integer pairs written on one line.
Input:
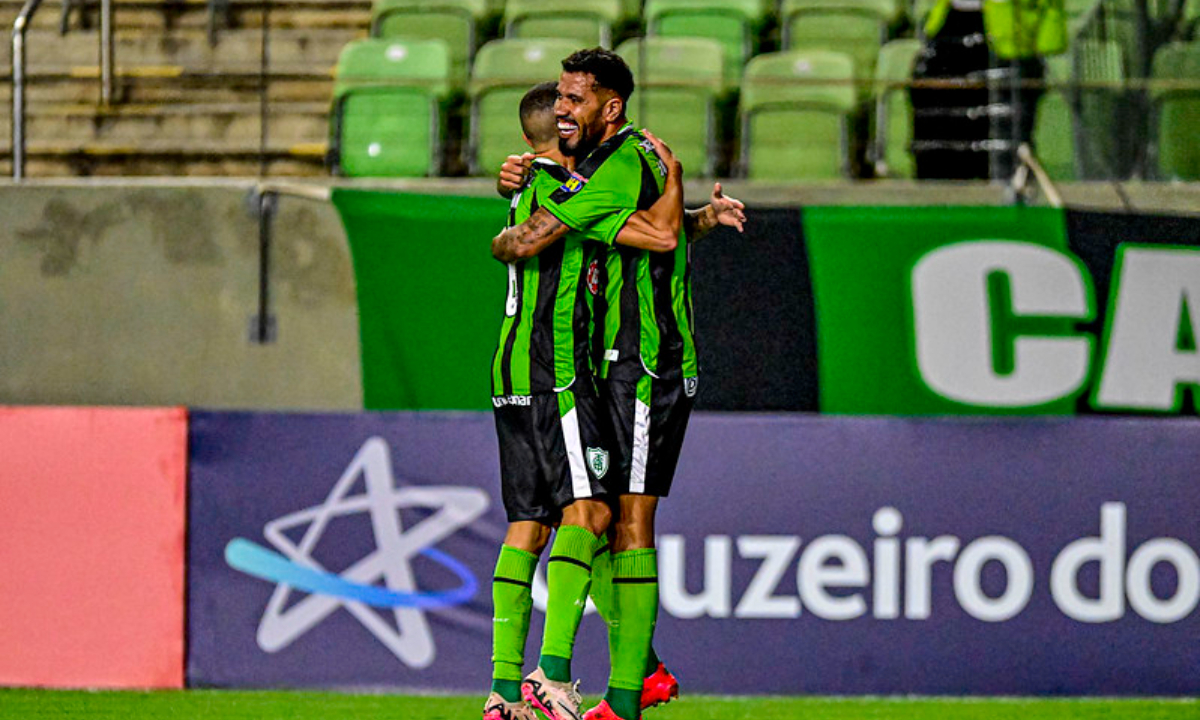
{"points": [[664, 153], [513, 173], [729, 211]]}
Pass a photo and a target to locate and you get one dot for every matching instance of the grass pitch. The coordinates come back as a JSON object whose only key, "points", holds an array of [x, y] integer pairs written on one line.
{"points": [[260, 705]]}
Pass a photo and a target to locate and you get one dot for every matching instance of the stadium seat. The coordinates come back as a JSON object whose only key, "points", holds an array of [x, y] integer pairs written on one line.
{"points": [[734, 23], [504, 71], [678, 80], [1107, 122], [1175, 93], [795, 107], [856, 27], [386, 115], [587, 22], [1054, 125], [891, 150], [632, 10], [454, 21]]}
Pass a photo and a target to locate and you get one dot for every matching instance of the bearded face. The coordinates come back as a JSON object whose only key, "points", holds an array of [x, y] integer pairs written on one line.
{"points": [[579, 113]]}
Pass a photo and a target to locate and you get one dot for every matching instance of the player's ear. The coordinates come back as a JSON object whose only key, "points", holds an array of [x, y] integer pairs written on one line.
{"points": [[614, 109], [528, 141]]}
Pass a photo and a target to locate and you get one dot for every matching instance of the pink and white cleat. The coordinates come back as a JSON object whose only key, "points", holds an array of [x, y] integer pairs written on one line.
{"points": [[556, 700], [497, 708]]}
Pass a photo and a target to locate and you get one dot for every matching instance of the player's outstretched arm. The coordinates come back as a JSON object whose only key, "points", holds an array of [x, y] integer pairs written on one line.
{"points": [[529, 238], [513, 172], [657, 229], [720, 210]]}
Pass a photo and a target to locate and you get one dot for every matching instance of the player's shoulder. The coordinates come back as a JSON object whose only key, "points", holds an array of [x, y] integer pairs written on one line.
{"points": [[547, 175]]}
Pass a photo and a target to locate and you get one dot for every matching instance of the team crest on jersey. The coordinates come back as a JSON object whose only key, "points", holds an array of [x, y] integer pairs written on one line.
{"points": [[573, 184], [597, 459], [689, 386], [593, 277]]}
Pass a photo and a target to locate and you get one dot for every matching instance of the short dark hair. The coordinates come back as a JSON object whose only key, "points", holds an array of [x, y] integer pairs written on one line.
{"points": [[606, 66], [537, 112]]}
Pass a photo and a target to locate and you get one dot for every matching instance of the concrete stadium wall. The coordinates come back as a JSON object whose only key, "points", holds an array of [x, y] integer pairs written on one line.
{"points": [[144, 294]]}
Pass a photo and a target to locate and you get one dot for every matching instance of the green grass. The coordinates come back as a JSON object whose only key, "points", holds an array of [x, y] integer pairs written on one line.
{"points": [[231, 705]]}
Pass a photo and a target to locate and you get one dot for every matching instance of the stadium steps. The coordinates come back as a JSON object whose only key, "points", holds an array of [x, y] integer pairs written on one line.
{"points": [[287, 122], [193, 158], [237, 50], [176, 14], [182, 106]]}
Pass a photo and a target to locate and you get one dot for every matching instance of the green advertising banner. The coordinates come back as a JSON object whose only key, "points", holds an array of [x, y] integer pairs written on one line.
{"points": [[429, 296], [850, 310], [887, 278]]}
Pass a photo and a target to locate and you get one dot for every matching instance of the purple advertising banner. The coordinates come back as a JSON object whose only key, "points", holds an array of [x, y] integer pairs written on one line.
{"points": [[797, 554]]}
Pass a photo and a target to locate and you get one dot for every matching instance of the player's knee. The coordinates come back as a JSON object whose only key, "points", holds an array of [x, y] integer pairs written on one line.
{"points": [[527, 535], [592, 515], [632, 536]]}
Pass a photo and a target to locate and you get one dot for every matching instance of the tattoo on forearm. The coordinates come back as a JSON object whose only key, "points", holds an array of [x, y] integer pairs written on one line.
{"points": [[536, 230]]}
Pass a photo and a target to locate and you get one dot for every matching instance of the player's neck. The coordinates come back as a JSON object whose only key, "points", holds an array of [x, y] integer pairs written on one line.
{"points": [[553, 154], [612, 129]]}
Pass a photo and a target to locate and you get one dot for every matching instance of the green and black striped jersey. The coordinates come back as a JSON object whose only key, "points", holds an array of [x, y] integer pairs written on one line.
{"points": [[643, 316], [547, 314]]}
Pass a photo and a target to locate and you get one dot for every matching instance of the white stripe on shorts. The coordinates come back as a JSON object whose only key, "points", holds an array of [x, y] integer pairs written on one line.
{"points": [[641, 446], [581, 486]]}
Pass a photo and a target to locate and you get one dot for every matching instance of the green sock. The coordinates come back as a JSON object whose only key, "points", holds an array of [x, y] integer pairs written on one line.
{"points": [[512, 602], [568, 575], [635, 598], [601, 588], [601, 594]]}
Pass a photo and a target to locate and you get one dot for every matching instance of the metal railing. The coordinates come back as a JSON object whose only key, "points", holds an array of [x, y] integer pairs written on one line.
{"points": [[20, 26], [107, 75]]}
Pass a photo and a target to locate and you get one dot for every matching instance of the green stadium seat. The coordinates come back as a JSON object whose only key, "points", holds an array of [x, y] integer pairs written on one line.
{"points": [[891, 150], [631, 10], [1054, 125], [678, 81], [1106, 123], [1175, 93], [454, 21], [796, 107], [856, 27], [504, 71], [386, 119], [733, 23], [587, 22]]}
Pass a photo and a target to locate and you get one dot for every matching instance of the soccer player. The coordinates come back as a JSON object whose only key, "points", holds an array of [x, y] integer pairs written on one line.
{"points": [[646, 357], [544, 402]]}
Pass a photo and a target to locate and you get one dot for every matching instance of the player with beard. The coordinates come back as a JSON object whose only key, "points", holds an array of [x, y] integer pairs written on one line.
{"points": [[645, 364], [544, 401]]}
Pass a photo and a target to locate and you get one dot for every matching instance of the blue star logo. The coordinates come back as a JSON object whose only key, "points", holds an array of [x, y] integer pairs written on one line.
{"points": [[356, 589]]}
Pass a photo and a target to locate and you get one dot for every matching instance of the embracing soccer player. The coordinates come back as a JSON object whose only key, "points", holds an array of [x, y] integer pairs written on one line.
{"points": [[645, 357]]}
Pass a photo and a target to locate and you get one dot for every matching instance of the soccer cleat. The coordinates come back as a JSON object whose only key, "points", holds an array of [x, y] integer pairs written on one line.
{"points": [[659, 687], [556, 700], [497, 708], [601, 712]]}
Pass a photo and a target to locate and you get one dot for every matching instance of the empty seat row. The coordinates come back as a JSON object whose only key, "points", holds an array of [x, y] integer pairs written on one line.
{"points": [[858, 27], [801, 112]]}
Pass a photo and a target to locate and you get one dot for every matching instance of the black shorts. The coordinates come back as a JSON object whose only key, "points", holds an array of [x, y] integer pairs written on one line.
{"points": [[555, 448], [649, 418]]}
